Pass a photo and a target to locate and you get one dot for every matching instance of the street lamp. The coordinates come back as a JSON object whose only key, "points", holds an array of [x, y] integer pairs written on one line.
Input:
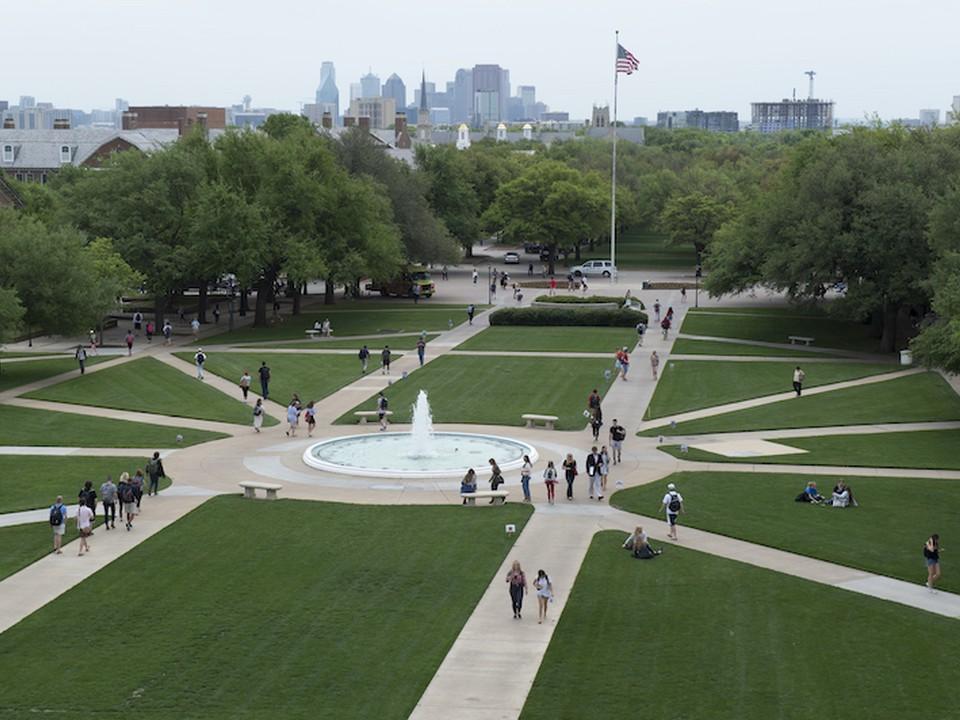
{"points": [[696, 279]]}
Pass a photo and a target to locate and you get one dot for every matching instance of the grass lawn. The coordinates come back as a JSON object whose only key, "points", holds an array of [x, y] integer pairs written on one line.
{"points": [[23, 373], [4, 354], [684, 346], [498, 390], [553, 339], [28, 482], [694, 384], [26, 426], [932, 449], [773, 325], [355, 321], [924, 397], [312, 377], [22, 545], [405, 342], [642, 248], [148, 385], [301, 613], [689, 636], [884, 535]]}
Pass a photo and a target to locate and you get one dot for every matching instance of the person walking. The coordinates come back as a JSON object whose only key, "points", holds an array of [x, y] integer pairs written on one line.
{"points": [[604, 470], [364, 356], [382, 406], [195, 327], [656, 310], [683, 295], [618, 433], [931, 555], [421, 349], [654, 363], [496, 479], [311, 415], [167, 331], [84, 527], [596, 422], [641, 331], [385, 360], [81, 356], [798, 377], [216, 314], [470, 311], [88, 496], [108, 496], [623, 357], [570, 473], [553, 286], [58, 521], [592, 464], [258, 415], [264, 373], [544, 589], [475, 275], [293, 417], [665, 326], [526, 472], [155, 472], [137, 482], [517, 583], [128, 499], [150, 330], [199, 358], [129, 340], [672, 503], [245, 381], [550, 480], [593, 403], [137, 320]]}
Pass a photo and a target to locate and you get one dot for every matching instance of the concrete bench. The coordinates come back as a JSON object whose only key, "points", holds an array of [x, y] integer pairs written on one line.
{"points": [[548, 420], [370, 414], [313, 334], [250, 488], [493, 494], [794, 339]]}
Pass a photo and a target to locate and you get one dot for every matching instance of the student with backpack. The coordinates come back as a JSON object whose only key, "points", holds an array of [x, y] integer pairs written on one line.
{"points": [[128, 499], [382, 405], [88, 496], [200, 358], [108, 496], [364, 356], [58, 520], [673, 504]]}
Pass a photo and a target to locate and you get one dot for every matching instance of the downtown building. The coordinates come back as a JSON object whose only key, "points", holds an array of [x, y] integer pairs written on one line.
{"points": [[787, 114], [712, 120]]}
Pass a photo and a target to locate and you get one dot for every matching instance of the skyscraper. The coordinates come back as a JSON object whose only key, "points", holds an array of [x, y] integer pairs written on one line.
{"points": [[394, 88], [489, 94], [462, 110], [370, 86], [528, 96], [328, 96]]}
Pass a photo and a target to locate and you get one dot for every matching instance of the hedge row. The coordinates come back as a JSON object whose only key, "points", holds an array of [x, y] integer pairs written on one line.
{"points": [[567, 316], [580, 300]]}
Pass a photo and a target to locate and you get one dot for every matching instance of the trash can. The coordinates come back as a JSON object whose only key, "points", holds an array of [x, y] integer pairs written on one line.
{"points": [[906, 357]]}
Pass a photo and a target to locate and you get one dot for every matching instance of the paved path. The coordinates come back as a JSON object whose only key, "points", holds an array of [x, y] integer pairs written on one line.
{"points": [[800, 349], [704, 438], [95, 452]]}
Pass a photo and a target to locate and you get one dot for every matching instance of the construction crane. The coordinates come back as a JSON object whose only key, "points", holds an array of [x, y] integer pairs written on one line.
{"points": [[810, 74]]}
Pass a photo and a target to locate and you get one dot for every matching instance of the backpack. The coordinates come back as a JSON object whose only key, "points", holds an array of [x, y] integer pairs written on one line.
{"points": [[618, 433], [674, 505], [56, 515], [127, 494], [201, 358]]}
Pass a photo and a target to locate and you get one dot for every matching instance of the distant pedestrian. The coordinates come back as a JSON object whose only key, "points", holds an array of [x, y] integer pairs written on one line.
{"points": [[665, 326], [108, 496], [618, 433], [129, 340], [470, 311], [195, 326], [167, 332], [245, 381], [382, 406], [364, 356], [137, 320], [385, 360], [530, 269], [216, 314], [592, 465], [182, 313], [672, 504], [596, 422], [656, 310], [84, 527], [311, 415], [88, 496], [258, 415], [654, 363], [151, 328], [81, 356], [544, 589], [475, 275], [421, 350], [641, 331], [517, 583], [444, 275], [264, 373], [553, 285], [593, 403], [604, 470], [683, 295], [493, 288], [570, 473], [199, 358], [58, 520], [93, 342], [137, 482], [293, 418], [669, 314], [550, 480], [416, 293], [624, 359], [496, 479], [931, 555], [526, 472], [155, 472], [128, 499], [798, 377]]}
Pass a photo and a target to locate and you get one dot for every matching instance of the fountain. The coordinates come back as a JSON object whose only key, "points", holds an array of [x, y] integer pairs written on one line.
{"points": [[420, 453]]}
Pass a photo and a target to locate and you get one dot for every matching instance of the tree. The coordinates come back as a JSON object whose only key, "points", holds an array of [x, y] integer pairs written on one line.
{"points": [[11, 313], [938, 345], [111, 278], [693, 218], [451, 193]]}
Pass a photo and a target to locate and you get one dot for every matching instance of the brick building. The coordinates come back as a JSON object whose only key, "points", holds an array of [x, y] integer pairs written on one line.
{"points": [[174, 117]]}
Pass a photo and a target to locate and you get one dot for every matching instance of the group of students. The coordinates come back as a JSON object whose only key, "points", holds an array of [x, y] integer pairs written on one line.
{"points": [[841, 497], [127, 492], [296, 408], [518, 588]]}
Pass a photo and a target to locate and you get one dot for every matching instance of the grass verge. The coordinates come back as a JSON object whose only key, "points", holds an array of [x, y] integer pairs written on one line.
{"points": [[552, 339]]}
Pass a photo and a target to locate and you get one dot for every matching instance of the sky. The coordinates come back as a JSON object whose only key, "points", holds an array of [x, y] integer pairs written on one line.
{"points": [[871, 56]]}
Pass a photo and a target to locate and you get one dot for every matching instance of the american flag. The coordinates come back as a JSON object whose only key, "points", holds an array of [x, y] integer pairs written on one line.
{"points": [[626, 61]]}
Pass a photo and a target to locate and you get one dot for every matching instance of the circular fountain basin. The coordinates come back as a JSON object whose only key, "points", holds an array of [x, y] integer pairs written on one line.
{"points": [[388, 454]]}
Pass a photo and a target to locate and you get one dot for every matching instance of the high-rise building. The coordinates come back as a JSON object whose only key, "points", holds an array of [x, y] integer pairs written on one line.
{"points": [[27, 101], [328, 95], [528, 96], [394, 88], [490, 93], [370, 86], [382, 111], [462, 106], [714, 121], [356, 91], [929, 117], [809, 114]]}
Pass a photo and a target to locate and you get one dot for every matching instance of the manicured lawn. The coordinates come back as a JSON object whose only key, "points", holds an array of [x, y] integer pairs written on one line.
{"points": [[22, 545], [4, 354], [553, 339], [312, 377], [933, 449], [28, 482], [148, 385], [925, 397], [498, 390], [22, 373], [690, 636], [773, 325], [642, 248], [247, 609], [684, 346], [884, 535], [694, 384], [404, 318], [26, 426], [405, 342]]}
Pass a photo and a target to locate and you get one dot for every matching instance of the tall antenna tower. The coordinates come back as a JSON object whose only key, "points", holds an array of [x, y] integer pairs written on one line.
{"points": [[810, 74]]}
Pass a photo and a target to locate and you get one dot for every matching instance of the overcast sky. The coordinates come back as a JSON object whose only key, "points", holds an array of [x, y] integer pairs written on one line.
{"points": [[892, 57]]}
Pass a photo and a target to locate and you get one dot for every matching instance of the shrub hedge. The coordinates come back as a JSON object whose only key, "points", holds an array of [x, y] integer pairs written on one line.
{"points": [[567, 316], [580, 300]]}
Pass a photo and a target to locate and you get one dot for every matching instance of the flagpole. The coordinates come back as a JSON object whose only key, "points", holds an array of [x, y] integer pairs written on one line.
{"points": [[613, 183]]}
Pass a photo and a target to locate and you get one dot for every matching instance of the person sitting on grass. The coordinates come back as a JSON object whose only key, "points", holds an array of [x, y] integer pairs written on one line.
{"points": [[810, 494], [469, 485], [842, 496], [637, 543]]}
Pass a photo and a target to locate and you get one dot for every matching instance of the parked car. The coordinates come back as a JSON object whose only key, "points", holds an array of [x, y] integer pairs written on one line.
{"points": [[511, 258], [603, 268], [532, 248]]}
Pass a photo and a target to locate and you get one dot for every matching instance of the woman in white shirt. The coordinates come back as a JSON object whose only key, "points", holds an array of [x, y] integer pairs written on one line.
{"points": [[526, 472], [84, 526], [544, 590]]}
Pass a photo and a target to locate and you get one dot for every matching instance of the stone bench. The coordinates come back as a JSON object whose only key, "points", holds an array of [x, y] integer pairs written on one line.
{"points": [[548, 420], [371, 414], [493, 494], [794, 339], [250, 488], [312, 334]]}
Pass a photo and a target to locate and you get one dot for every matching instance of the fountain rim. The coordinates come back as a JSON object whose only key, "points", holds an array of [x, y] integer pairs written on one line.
{"points": [[357, 471]]}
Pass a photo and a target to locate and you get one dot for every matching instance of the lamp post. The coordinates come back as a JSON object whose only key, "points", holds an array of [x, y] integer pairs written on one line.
{"points": [[696, 278], [233, 292], [489, 285]]}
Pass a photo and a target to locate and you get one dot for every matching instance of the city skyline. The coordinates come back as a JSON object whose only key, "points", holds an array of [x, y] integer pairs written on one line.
{"points": [[721, 58]]}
